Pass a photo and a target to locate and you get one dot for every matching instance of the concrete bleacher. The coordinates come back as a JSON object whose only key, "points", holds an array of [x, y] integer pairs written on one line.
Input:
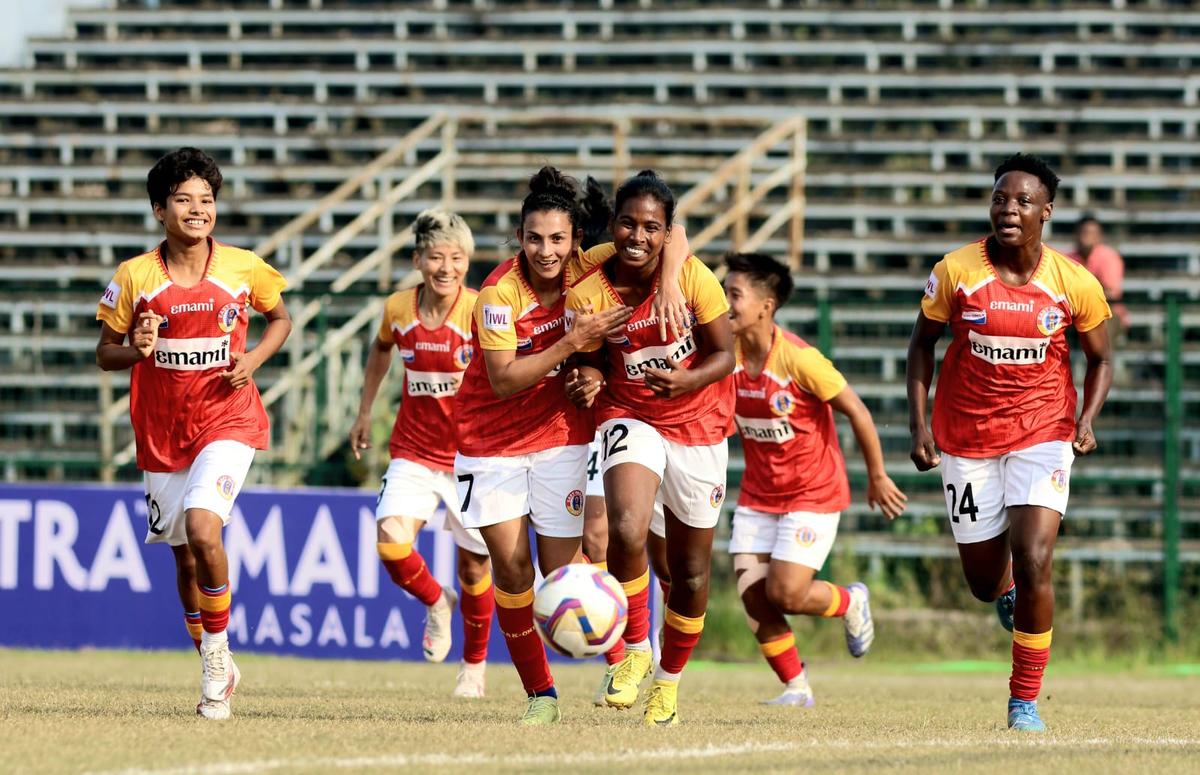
{"points": [[908, 105]]}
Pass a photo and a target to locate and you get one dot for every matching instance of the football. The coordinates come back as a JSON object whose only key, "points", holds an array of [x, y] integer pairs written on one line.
{"points": [[580, 610]]}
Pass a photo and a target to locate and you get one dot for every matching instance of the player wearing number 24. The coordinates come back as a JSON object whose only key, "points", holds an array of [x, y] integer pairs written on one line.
{"points": [[1004, 418]]}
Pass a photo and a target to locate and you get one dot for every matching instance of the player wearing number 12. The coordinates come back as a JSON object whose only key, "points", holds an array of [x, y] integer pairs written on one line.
{"points": [[197, 415], [1004, 415]]}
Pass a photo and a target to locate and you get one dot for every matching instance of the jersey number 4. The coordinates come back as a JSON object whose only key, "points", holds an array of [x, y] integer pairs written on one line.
{"points": [[965, 507]]}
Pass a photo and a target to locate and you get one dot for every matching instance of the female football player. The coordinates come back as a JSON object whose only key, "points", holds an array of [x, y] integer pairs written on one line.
{"points": [[1005, 416], [664, 414], [431, 327], [184, 308]]}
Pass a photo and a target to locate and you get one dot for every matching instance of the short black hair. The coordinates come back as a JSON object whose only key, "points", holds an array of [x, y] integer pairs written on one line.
{"points": [[1086, 218], [764, 271], [647, 183], [180, 166], [552, 191], [1024, 162]]}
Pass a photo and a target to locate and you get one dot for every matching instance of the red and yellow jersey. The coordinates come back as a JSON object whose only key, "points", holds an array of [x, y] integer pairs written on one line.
{"points": [[178, 401], [509, 316], [1005, 382], [434, 362], [793, 459], [699, 418]]}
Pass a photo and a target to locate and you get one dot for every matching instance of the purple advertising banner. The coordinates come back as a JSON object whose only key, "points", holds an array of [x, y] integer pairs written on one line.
{"points": [[306, 579]]}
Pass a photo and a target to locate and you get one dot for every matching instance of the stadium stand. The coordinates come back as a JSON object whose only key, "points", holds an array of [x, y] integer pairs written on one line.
{"points": [[906, 106]]}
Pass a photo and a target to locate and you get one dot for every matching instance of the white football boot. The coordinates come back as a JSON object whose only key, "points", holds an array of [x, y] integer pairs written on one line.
{"points": [[218, 681], [437, 640], [470, 681]]}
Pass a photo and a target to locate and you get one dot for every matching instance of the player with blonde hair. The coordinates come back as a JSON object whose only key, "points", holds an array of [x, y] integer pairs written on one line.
{"points": [[430, 325]]}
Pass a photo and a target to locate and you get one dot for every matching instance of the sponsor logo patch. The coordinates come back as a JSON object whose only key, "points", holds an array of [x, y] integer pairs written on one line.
{"points": [[1012, 306], [197, 306], [497, 317], [1008, 350], [463, 356], [782, 403], [525, 343], [716, 496], [931, 286], [575, 503], [225, 487], [198, 354], [657, 357], [110, 295], [228, 316], [1058, 480], [165, 322], [806, 536], [976, 316], [408, 355], [1050, 320], [435, 384], [772, 430]]}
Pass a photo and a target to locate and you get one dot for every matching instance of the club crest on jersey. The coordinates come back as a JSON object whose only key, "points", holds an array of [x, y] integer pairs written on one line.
{"points": [[463, 356], [407, 355], [1050, 319], [716, 496], [225, 487], [1058, 480], [227, 317], [575, 503], [782, 403], [806, 536], [976, 316]]}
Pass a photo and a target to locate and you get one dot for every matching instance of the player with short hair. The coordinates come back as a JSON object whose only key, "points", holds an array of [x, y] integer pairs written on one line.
{"points": [[197, 415], [664, 416], [794, 487], [1004, 418], [522, 445], [431, 327]]}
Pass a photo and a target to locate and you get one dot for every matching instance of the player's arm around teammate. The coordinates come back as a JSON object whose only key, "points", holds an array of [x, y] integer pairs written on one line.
{"points": [[794, 487], [664, 415], [431, 327], [187, 329], [1004, 418]]}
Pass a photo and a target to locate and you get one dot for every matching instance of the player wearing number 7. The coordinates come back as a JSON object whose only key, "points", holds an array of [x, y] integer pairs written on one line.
{"points": [[197, 415], [1004, 416]]}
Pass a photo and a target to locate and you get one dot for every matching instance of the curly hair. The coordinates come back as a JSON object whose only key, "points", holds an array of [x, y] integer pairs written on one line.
{"points": [[177, 167], [1023, 162]]}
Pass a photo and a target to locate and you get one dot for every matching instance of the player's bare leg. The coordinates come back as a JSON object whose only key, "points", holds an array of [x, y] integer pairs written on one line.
{"points": [[1033, 533], [629, 495], [189, 594], [988, 568], [791, 588], [220, 674], [478, 603], [771, 629], [396, 539], [512, 566]]}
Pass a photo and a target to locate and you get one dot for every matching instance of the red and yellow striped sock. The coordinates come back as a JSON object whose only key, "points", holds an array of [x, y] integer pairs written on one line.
{"points": [[407, 568], [637, 625], [1030, 655], [194, 626], [515, 614], [617, 652], [214, 608], [477, 604], [783, 656], [839, 600], [680, 635]]}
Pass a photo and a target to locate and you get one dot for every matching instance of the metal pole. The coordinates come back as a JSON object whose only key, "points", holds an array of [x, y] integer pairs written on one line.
{"points": [[824, 323], [1173, 418]]}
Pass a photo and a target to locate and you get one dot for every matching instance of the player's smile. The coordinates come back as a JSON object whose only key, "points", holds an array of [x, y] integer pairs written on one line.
{"points": [[547, 239], [639, 232], [190, 212], [1018, 209]]}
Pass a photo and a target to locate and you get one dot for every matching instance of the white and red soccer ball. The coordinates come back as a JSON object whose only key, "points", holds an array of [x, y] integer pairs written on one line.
{"points": [[580, 610]]}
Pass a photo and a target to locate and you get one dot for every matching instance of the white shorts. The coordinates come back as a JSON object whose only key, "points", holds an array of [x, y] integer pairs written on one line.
{"points": [[546, 485], [212, 482], [980, 490], [802, 537], [412, 490], [595, 477], [693, 477]]}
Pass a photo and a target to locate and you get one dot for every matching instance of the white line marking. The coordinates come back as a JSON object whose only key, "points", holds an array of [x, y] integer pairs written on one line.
{"points": [[628, 756]]}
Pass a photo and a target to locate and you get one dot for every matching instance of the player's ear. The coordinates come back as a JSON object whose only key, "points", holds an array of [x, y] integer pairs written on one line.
{"points": [[159, 211], [1046, 211]]}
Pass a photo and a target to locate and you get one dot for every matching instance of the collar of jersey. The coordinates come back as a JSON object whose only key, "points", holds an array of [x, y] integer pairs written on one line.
{"points": [[162, 262]]}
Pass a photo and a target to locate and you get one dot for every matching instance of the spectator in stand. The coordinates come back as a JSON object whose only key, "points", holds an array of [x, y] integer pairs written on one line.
{"points": [[1106, 264]]}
